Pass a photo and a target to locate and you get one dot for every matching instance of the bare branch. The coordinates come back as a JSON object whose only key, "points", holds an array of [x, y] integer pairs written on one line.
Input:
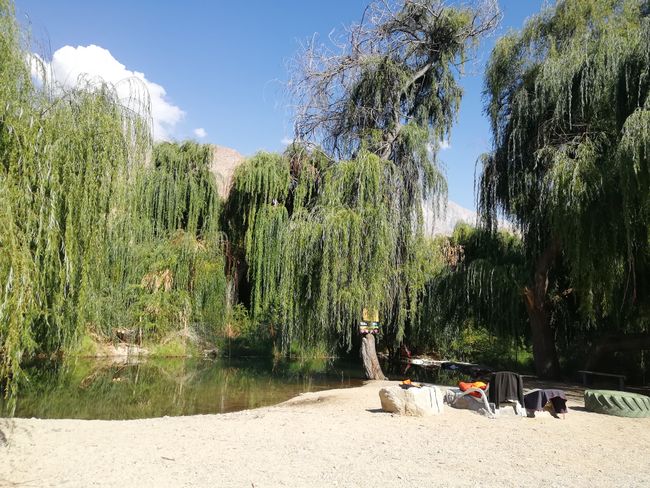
{"points": [[385, 71]]}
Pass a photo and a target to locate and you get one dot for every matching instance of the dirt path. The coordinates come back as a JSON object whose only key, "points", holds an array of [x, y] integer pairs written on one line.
{"points": [[332, 438]]}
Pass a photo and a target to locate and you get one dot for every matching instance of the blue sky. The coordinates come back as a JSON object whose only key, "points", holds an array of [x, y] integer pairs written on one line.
{"points": [[222, 64]]}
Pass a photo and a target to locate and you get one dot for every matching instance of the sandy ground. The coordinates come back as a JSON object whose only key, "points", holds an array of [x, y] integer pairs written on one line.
{"points": [[332, 438]]}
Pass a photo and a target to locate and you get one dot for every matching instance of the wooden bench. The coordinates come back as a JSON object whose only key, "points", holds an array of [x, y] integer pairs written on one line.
{"points": [[620, 377]]}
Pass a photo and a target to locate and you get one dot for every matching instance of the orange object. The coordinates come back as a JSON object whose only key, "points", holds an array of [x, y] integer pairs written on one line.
{"points": [[477, 384]]}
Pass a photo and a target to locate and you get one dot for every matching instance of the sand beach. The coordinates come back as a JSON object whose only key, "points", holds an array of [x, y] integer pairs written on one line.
{"points": [[330, 438]]}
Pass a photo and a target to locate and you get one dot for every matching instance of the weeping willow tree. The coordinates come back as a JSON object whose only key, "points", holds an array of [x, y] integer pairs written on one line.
{"points": [[95, 232], [16, 262], [319, 243], [176, 249], [569, 102], [331, 231], [478, 283], [65, 161]]}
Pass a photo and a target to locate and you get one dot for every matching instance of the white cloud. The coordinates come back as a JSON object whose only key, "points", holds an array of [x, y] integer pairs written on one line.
{"points": [[70, 65], [200, 132], [442, 145], [286, 141]]}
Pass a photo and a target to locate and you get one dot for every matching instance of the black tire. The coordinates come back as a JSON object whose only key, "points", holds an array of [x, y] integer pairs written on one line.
{"points": [[619, 403]]}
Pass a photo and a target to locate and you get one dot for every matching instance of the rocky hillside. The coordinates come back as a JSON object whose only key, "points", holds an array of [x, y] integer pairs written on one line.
{"points": [[224, 162]]}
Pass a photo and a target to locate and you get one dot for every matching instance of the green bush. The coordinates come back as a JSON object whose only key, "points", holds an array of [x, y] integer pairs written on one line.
{"points": [[478, 345]]}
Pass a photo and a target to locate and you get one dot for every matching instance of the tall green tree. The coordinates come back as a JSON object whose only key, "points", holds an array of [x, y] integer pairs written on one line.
{"points": [[65, 157], [377, 105], [569, 102], [98, 229], [478, 282]]}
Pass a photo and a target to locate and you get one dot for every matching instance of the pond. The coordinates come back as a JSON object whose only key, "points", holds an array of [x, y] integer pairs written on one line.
{"points": [[94, 389]]}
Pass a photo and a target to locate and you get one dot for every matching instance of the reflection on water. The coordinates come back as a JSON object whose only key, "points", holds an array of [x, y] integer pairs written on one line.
{"points": [[89, 389], [94, 389]]}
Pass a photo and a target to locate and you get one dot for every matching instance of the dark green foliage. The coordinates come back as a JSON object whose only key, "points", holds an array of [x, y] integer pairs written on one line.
{"points": [[316, 259], [327, 234], [477, 344], [92, 236], [569, 102], [478, 285]]}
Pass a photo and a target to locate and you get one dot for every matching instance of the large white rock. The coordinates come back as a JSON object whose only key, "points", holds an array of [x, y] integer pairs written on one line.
{"points": [[224, 163], [417, 402]]}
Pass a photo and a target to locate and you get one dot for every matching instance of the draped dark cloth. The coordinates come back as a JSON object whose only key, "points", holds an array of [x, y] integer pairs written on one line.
{"points": [[505, 386], [537, 399]]}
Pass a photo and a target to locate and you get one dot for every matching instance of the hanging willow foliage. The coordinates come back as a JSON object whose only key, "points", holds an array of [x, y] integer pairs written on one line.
{"points": [[65, 164], [95, 232], [63, 182], [569, 102], [330, 232], [480, 282], [17, 270], [180, 191], [175, 239], [315, 259]]}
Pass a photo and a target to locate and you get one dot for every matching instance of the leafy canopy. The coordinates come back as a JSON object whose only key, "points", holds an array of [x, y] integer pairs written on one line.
{"points": [[569, 102]]}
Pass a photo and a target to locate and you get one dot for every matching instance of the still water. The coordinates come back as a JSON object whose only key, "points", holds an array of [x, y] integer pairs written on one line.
{"points": [[92, 389]]}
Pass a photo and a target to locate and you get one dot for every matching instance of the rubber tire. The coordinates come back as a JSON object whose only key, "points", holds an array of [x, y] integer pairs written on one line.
{"points": [[619, 403]]}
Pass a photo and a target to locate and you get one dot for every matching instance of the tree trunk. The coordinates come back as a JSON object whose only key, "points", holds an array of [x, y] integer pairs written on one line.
{"points": [[370, 361], [544, 351], [615, 343]]}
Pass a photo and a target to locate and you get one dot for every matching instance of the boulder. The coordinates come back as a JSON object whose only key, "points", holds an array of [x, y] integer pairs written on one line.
{"points": [[417, 402], [224, 163]]}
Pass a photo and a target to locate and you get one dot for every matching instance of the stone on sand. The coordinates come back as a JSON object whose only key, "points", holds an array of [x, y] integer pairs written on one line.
{"points": [[417, 402]]}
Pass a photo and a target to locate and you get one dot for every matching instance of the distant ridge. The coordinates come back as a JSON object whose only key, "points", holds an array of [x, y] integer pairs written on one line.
{"points": [[445, 223]]}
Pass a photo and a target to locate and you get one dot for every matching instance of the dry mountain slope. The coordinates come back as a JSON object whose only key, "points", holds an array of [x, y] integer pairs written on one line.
{"points": [[224, 163]]}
